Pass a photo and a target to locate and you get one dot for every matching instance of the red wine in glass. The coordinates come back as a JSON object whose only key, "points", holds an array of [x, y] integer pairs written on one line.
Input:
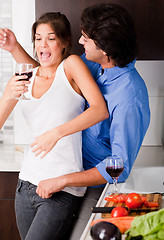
{"points": [[29, 75], [24, 69], [114, 167], [114, 172]]}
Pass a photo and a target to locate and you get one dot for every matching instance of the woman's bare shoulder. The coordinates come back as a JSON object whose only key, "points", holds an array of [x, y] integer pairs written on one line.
{"points": [[73, 59]]}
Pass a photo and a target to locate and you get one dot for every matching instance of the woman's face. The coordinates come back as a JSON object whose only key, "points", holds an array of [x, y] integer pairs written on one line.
{"points": [[48, 47]]}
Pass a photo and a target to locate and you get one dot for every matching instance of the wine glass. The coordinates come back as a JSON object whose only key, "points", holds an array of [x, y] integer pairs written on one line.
{"points": [[24, 69], [114, 167]]}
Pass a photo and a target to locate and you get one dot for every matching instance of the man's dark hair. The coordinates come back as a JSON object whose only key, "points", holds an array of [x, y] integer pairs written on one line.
{"points": [[112, 29]]}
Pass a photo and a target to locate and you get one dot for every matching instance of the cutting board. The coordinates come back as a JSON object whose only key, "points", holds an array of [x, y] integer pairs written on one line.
{"points": [[144, 210]]}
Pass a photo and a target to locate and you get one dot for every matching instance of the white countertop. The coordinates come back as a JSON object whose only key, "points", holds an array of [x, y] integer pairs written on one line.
{"points": [[131, 186], [11, 157]]}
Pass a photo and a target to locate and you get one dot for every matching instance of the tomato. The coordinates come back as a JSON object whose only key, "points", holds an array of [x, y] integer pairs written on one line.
{"points": [[117, 199], [110, 198], [120, 199], [133, 200], [119, 212], [143, 199], [151, 204]]}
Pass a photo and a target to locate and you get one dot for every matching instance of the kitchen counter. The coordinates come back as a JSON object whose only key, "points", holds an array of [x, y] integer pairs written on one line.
{"points": [[133, 184], [11, 157]]}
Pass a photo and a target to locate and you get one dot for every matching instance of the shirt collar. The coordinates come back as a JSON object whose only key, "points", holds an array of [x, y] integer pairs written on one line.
{"points": [[112, 73]]}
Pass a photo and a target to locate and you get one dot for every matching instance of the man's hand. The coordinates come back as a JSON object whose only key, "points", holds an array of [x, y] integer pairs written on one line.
{"points": [[91, 177], [8, 40], [46, 188]]}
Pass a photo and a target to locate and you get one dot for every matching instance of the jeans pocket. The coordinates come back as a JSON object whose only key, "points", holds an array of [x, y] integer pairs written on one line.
{"points": [[19, 185]]}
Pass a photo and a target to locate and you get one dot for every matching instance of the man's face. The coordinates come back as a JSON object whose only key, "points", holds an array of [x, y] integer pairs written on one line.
{"points": [[93, 53]]}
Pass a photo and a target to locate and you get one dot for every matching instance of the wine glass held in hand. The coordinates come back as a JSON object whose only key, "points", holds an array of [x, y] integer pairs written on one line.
{"points": [[24, 69], [114, 167]]}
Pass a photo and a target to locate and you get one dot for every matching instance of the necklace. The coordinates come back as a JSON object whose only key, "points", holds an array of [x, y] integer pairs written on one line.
{"points": [[46, 74]]}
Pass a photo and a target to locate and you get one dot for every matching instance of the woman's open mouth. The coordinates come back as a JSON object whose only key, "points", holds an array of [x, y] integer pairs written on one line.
{"points": [[45, 56]]}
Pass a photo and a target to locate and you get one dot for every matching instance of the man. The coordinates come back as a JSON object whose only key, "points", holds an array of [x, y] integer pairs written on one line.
{"points": [[109, 40]]}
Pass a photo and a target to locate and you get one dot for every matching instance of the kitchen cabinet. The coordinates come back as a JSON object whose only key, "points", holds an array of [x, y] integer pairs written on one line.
{"points": [[147, 15], [8, 228]]}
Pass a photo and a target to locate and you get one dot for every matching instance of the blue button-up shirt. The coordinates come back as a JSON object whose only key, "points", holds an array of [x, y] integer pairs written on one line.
{"points": [[129, 116]]}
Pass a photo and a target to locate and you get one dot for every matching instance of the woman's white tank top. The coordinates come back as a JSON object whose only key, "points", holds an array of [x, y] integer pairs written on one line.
{"points": [[57, 106]]}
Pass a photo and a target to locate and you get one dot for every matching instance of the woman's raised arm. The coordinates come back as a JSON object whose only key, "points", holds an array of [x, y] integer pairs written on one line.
{"points": [[9, 43]]}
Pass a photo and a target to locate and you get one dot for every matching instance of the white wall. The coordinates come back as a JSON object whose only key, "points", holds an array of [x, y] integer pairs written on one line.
{"points": [[23, 16], [153, 74], [151, 71], [6, 70]]}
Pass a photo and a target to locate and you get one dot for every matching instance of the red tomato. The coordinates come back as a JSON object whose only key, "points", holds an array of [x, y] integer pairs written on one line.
{"points": [[143, 199], [119, 212], [151, 204], [120, 199], [110, 198], [117, 199], [133, 200]]}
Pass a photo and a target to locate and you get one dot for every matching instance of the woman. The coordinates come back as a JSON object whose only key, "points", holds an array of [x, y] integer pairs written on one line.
{"points": [[56, 116]]}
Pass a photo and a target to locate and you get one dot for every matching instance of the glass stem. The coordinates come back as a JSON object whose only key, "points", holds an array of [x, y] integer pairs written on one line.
{"points": [[115, 185]]}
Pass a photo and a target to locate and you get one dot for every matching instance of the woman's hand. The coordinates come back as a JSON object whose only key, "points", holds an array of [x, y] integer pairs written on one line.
{"points": [[9, 43], [46, 188], [15, 88], [45, 142], [8, 40]]}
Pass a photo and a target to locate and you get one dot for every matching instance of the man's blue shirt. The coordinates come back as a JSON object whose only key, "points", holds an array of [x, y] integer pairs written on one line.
{"points": [[129, 116]]}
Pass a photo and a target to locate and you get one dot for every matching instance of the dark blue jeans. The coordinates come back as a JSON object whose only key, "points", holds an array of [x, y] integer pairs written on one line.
{"points": [[44, 219]]}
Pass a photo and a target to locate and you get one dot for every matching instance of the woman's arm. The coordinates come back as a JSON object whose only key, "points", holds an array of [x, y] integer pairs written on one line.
{"points": [[6, 107], [9, 43], [94, 114], [13, 90], [97, 110]]}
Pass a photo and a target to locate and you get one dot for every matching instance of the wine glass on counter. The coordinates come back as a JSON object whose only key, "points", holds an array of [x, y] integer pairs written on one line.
{"points": [[114, 167], [24, 69]]}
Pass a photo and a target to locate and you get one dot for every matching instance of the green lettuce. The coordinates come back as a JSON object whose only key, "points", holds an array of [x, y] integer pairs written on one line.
{"points": [[147, 227]]}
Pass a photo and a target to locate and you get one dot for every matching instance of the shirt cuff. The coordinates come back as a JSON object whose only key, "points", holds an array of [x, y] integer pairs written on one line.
{"points": [[101, 167]]}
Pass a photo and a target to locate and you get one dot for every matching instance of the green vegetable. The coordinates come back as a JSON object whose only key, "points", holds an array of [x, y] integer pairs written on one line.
{"points": [[161, 234], [147, 227]]}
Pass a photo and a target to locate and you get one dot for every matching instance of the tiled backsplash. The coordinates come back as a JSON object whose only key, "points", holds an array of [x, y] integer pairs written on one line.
{"points": [[6, 70]]}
